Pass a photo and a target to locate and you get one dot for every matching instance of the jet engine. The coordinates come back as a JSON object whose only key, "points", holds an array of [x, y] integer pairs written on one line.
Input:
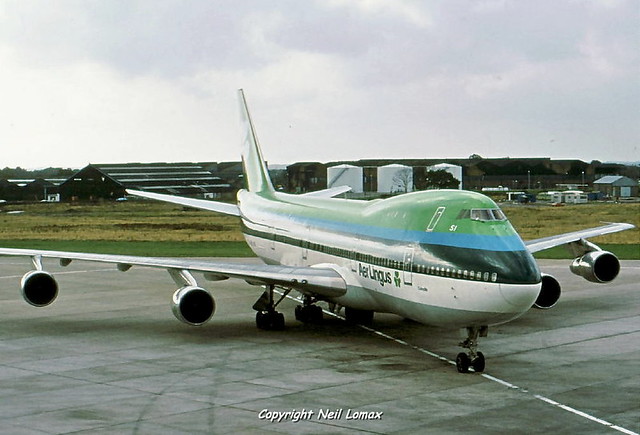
{"points": [[193, 305], [549, 292], [596, 266], [39, 288]]}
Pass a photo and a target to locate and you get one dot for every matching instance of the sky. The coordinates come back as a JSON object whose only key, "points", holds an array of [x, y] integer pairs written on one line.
{"points": [[85, 81]]}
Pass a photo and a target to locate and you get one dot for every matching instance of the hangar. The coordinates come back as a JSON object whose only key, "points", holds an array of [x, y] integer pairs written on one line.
{"points": [[109, 181], [345, 175], [616, 186], [38, 189]]}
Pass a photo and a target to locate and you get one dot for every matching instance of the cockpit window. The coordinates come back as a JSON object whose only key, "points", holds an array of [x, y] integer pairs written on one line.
{"points": [[480, 214], [487, 214], [498, 214]]}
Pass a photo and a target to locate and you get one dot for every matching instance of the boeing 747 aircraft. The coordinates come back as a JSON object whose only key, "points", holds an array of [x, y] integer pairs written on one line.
{"points": [[445, 257]]}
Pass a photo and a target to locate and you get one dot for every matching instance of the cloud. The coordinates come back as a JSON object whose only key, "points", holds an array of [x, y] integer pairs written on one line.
{"points": [[325, 79], [73, 115]]}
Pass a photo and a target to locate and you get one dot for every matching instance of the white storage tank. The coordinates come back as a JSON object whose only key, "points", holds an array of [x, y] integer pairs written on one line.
{"points": [[345, 175], [454, 170], [395, 179]]}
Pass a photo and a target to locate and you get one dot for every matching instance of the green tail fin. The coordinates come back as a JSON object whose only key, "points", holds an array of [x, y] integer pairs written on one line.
{"points": [[255, 170]]}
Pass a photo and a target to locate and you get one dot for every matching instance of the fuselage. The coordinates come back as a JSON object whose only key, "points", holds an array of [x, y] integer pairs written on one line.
{"points": [[443, 257]]}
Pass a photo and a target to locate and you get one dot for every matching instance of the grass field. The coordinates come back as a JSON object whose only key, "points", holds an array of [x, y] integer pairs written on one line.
{"points": [[158, 229]]}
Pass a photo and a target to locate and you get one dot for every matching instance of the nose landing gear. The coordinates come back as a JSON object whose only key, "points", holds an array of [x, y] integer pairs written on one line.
{"points": [[472, 359]]}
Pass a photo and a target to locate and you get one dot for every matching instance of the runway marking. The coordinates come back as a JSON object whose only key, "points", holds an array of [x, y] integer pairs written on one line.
{"points": [[501, 382], [487, 376], [431, 354]]}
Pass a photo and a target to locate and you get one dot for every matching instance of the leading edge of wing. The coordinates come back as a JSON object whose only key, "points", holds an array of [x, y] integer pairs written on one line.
{"points": [[323, 281], [220, 207], [562, 239]]}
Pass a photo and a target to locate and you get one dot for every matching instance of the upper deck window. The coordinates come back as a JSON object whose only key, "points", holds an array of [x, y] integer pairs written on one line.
{"points": [[487, 214]]}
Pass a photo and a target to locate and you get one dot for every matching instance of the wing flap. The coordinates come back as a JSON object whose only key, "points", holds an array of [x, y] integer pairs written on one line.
{"points": [[563, 239], [322, 281]]}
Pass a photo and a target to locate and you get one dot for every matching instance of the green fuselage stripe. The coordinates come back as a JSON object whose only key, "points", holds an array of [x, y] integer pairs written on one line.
{"points": [[513, 267]]}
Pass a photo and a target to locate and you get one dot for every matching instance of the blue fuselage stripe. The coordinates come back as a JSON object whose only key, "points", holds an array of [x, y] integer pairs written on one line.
{"points": [[456, 240]]}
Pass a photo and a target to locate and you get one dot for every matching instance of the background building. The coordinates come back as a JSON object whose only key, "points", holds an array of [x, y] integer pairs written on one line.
{"points": [[346, 175], [616, 186], [110, 181], [368, 178], [395, 178]]}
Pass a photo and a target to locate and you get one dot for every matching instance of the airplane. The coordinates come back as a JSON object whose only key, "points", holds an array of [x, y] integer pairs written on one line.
{"points": [[447, 258]]}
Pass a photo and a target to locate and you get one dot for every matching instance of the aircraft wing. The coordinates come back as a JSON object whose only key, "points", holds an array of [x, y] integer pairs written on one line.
{"points": [[321, 281], [562, 239], [328, 193], [220, 207]]}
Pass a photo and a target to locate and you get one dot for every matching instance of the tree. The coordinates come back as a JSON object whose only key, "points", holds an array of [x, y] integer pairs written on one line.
{"points": [[403, 180], [440, 179]]}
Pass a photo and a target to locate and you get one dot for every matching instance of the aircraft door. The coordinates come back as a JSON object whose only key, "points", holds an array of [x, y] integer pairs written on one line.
{"points": [[272, 238], [305, 243], [408, 266], [435, 218]]}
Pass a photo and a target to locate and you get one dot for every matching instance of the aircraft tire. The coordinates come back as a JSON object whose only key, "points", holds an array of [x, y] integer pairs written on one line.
{"points": [[478, 363], [277, 321], [309, 314], [358, 317], [300, 314], [463, 362], [270, 320], [316, 314], [261, 320]]}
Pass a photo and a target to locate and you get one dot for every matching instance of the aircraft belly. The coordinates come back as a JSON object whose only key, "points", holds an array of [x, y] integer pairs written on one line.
{"points": [[442, 316], [450, 302]]}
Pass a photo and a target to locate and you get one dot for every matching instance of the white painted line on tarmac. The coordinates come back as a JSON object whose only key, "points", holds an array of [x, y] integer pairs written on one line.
{"points": [[425, 351], [488, 377], [503, 382]]}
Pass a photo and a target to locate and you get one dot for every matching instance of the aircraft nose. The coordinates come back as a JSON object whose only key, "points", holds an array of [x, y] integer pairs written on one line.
{"points": [[520, 296]]}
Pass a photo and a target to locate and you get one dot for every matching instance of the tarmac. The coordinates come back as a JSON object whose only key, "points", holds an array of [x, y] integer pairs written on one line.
{"points": [[109, 357]]}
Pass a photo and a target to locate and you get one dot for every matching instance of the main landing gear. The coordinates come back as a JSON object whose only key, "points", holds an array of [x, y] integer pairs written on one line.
{"points": [[472, 359], [267, 317], [308, 312], [358, 317]]}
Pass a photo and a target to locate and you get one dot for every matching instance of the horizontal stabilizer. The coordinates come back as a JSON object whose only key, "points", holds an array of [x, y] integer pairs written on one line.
{"points": [[329, 193], [220, 207]]}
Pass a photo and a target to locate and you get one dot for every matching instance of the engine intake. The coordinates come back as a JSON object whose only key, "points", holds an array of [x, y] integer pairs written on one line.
{"points": [[549, 292], [39, 288], [596, 266], [193, 305]]}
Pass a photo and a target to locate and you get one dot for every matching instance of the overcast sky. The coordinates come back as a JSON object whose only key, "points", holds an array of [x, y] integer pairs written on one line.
{"points": [[154, 80]]}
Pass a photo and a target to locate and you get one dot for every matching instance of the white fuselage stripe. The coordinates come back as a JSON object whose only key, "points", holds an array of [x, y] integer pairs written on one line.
{"points": [[436, 300]]}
